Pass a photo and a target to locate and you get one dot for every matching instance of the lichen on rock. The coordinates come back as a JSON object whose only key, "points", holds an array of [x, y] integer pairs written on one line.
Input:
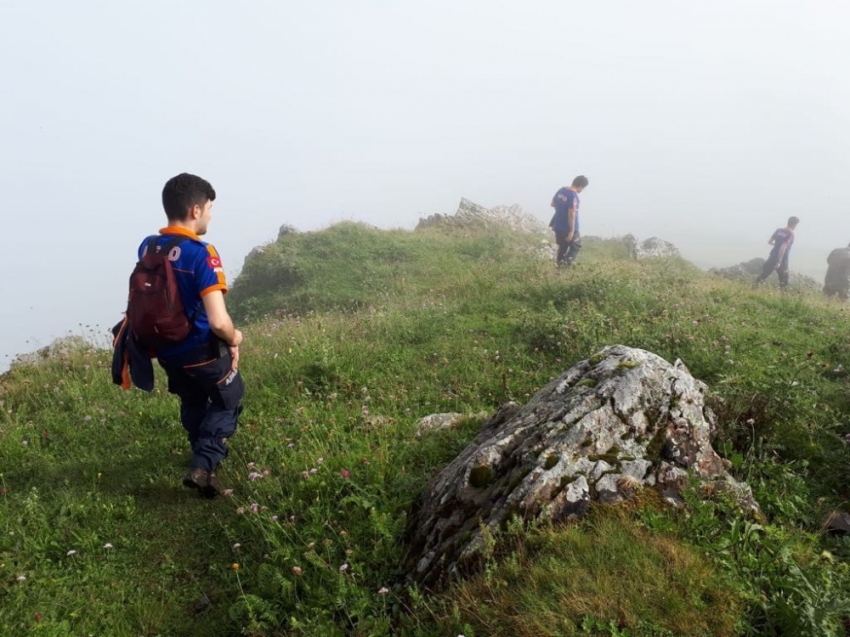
{"points": [[622, 420]]}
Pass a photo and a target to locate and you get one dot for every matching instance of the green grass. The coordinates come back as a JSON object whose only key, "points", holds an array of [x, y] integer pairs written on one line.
{"points": [[606, 575], [356, 333]]}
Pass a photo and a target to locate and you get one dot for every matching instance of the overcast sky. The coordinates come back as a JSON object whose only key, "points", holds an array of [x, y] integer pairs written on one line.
{"points": [[705, 123]]}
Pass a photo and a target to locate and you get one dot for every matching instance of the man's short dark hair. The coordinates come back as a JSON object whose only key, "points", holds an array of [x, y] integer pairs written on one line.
{"points": [[580, 182], [792, 222], [183, 192]]}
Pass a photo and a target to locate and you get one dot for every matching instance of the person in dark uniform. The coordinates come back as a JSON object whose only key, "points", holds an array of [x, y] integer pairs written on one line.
{"points": [[837, 280], [781, 240], [203, 369], [565, 221]]}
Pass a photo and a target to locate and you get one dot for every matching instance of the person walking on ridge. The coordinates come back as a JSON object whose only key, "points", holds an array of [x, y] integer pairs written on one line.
{"points": [[203, 368], [565, 221], [781, 240], [837, 280]]}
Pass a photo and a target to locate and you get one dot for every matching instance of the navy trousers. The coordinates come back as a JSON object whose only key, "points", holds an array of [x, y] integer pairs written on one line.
{"points": [[567, 250], [210, 399], [772, 264]]}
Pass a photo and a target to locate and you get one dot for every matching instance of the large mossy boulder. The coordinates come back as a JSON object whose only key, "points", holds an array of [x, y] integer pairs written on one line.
{"points": [[623, 420]]}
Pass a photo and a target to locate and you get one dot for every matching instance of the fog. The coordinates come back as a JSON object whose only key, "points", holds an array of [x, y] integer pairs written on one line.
{"points": [[706, 124]]}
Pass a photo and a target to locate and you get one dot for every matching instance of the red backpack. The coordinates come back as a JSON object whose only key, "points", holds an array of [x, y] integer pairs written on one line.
{"points": [[155, 311]]}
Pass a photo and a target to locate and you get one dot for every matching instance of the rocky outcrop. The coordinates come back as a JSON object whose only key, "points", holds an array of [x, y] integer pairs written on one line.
{"points": [[285, 230], [747, 271], [60, 348], [435, 422], [623, 420], [837, 523], [651, 248], [471, 214]]}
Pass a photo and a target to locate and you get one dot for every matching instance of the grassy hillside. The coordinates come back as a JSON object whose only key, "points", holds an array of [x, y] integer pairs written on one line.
{"points": [[356, 333]]}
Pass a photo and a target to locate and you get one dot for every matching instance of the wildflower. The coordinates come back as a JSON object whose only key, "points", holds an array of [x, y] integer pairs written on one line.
{"points": [[320, 461], [751, 421], [311, 545], [291, 445], [228, 492], [70, 553], [292, 518], [274, 518], [296, 570], [383, 590], [255, 475], [344, 473], [254, 507], [240, 510], [87, 418], [107, 546], [21, 578], [313, 471], [237, 545], [305, 474], [343, 568], [235, 566], [252, 465], [266, 473]]}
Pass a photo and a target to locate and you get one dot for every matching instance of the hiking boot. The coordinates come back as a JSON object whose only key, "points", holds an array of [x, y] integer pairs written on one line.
{"points": [[197, 478], [213, 487]]}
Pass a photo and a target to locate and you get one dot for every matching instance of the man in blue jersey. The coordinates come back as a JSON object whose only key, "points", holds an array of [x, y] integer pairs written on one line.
{"points": [[202, 370], [781, 240], [565, 221]]}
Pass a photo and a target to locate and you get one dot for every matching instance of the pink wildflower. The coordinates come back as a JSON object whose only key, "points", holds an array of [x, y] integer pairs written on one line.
{"points": [[296, 570], [344, 473], [383, 590], [343, 568], [255, 475]]}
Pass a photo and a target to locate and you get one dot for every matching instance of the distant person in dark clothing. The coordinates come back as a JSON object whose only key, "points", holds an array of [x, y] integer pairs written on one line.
{"points": [[565, 221], [781, 240], [837, 280]]}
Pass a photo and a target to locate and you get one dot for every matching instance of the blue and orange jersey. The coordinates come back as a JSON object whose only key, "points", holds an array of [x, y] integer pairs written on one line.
{"points": [[564, 200], [198, 269]]}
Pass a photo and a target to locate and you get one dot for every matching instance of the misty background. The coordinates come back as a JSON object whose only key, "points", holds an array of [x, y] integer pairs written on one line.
{"points": [[703, 123]]}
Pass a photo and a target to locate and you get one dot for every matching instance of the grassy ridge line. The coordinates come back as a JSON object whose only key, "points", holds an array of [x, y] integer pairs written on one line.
{"points": [[339, 392]]}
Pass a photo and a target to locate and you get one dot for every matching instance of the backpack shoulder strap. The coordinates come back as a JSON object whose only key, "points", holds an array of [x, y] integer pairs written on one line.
{"points": [[150, 244], [174, 241]]}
